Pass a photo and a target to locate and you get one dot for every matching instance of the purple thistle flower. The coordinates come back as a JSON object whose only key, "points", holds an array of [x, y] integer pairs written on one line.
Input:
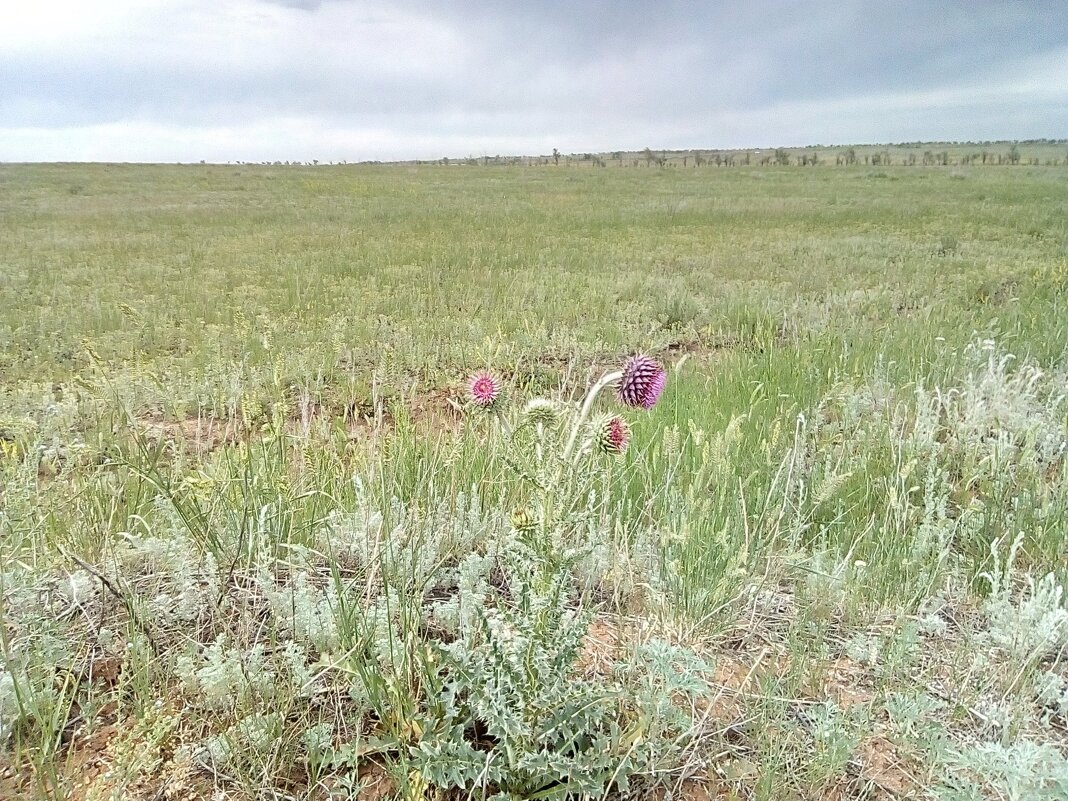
{"points": [[485, 390], [612, 435], [642, 382]]}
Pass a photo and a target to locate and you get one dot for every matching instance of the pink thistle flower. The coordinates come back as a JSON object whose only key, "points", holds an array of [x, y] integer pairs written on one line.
{"points": [[642, 382], [612, 435], [485, 390]]}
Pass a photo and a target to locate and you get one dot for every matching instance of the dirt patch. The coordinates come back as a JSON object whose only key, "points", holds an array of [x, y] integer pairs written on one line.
{"points": [[81, 771], [87, 764], [600, 649], [882, 766], [731, 679], [196, 434], [693, 790], [376, 783], [702, 349], [374, 780], [14, 783], [846, 683], [429, 413], [437, 410]]}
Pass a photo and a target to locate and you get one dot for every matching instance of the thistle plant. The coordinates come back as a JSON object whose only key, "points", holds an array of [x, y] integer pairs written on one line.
{"points": [[558, 450], [509, 665]]}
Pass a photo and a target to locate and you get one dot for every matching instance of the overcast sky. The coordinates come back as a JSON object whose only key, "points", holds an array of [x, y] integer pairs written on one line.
{"points": [[253, 80]]}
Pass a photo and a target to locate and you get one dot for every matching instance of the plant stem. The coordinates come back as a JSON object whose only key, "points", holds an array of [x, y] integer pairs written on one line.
{"points": [[591, 396]]}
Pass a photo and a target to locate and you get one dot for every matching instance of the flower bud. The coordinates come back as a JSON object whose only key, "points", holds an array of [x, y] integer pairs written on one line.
{"points": [[523, 520], [541, 410], [611, 435]]}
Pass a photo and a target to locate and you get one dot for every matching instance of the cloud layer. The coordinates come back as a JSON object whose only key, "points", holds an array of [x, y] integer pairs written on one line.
{"points": [[183, 80]]}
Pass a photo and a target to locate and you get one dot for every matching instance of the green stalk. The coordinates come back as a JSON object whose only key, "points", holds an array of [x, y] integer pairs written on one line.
{"points": [[587, 405]]}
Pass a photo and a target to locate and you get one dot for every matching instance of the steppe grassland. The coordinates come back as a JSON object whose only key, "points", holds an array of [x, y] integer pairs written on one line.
{"points": [[224, 388]]}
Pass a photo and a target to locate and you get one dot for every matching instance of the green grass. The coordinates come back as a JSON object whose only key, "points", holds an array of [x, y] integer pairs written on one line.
{"points": [[213, 378], [444, 268]]}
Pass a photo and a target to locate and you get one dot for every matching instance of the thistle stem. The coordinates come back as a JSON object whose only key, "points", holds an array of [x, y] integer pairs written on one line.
{"points": [[591, 396]]}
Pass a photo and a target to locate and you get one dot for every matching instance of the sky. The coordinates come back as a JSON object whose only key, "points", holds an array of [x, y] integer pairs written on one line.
{"points": [[266, 80]]}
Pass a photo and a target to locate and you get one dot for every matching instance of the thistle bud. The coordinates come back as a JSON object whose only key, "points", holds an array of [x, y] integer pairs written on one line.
{"points": [[523, 520], [541, 410], [611, 435]]}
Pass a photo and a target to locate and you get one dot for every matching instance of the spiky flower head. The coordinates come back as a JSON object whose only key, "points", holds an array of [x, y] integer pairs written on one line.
{"points": [[485, 390], [541, 410], [642, 382], [611, 434], [523, 520]]}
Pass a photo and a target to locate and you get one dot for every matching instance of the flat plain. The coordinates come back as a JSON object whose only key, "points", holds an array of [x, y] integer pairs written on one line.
{"points": [[257, 542]]}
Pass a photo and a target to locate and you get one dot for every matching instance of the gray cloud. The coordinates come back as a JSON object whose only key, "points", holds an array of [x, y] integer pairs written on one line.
{"points": [[306, 5], [453, 76]]}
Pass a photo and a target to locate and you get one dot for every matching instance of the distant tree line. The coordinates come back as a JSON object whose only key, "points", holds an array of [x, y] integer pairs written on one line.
{"points": [[897, 155], [1030, 152]]}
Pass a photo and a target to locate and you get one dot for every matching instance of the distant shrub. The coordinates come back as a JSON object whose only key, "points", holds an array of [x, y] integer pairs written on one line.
{"points": [[947, 244]]}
